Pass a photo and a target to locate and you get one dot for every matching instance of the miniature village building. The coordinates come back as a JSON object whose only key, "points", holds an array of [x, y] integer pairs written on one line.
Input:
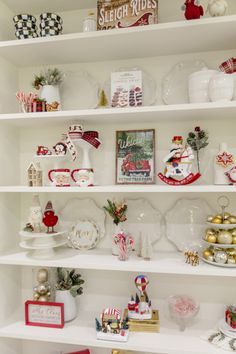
{"points": [[35, 175]]}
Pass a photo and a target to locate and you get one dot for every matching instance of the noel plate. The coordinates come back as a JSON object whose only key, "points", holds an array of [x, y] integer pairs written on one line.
{"points": [[149, 87], [185, 222], [79, 91], [226, 265], [175, 83], [221, 226], [226, 329], [81, 214], [84, 235], [143, 219], [220, 245]]}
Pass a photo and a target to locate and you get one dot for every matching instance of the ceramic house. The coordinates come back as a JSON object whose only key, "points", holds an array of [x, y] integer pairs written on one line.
{"points": [[35, 175]]}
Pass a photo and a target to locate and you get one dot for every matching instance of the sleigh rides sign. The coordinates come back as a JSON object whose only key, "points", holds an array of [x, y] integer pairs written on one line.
{"points": [[126, 13]]}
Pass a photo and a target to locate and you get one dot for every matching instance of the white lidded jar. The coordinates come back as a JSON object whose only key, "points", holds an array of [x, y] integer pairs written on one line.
{"points": [[221, 87], [223, 162], [198, 85], [89, 23]]}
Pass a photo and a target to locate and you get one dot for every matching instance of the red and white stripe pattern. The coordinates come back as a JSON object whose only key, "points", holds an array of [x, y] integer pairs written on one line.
{"points": [[141, 282], [112, 312]]}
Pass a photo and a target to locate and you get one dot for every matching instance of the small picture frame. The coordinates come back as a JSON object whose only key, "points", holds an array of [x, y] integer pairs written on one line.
{"points": [[135, 156], [44, 314]]}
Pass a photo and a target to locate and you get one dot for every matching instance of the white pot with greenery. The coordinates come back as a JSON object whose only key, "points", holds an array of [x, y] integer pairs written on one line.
{"points": [[48, 83], [68, 286]]}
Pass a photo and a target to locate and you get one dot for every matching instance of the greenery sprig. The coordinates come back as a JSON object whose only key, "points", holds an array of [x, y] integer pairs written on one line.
{"points": [[69, 280], [117, 211], [198, 140], [48, 77]]}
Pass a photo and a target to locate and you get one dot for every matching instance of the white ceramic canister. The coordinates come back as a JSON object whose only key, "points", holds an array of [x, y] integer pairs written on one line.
{"points": [[51, 94], [198, 83], [70, 304], [221, 87]]}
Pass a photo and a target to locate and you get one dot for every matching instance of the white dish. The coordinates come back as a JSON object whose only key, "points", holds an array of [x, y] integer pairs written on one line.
{"points": [[226, 329], [32, 235], [84, 235], [79, 91], [221, 226], [142, 218], [226, 265], [149, 87], [175, 83], [185, 222], [219, 245]]}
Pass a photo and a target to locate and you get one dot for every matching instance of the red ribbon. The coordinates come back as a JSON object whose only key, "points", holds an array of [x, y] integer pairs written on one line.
{"points": [[92, 138]]}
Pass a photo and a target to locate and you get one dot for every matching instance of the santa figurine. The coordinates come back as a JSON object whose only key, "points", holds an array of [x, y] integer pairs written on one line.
{"points": [[192, 10], [176, 151], [49, 218]]}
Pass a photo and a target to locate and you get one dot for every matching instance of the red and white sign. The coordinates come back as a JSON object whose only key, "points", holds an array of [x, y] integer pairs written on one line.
{"points": [[44, 314]]}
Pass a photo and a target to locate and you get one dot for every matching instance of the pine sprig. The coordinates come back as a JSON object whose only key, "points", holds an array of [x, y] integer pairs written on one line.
{"points": [[48, 77], [198, 140]]}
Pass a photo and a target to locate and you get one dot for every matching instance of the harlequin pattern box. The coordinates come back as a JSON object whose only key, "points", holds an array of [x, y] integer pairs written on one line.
{"points": [[126, 13]]}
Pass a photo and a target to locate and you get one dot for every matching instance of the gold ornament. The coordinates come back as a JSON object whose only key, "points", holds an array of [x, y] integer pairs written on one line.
{"points": [[216, 220], [210, 258], [231, 251], [209, 232], [226, 215], [219, 216], [42, 290], [191, 257], [224, 237], [226, 221], [232, 219], [234, 239], [233, 232], [206, 253], [212, 238], [231, 260], [210, 218]]}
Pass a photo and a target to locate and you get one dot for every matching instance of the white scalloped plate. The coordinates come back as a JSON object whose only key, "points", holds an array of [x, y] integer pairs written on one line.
{"points": [[143, 218], [185, 222], [83, 209]]}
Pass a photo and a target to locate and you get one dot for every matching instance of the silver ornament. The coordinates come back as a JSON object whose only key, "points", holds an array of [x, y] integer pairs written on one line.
{"points": [[220, 257]]}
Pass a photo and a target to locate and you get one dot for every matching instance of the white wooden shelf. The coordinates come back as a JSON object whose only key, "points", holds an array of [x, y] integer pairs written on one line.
{"points": [[209, 34], [181, 112], [169, 341], [122, 189], [101, 259]]}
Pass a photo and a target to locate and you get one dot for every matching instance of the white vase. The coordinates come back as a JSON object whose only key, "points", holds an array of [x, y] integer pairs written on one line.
{"points": [[51, 94], [70, 305], [220, 169]]}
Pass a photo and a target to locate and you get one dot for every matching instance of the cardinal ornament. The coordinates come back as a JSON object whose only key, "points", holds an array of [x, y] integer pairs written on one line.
{"points": [[178, 164], [49, 218], [192, 10]]}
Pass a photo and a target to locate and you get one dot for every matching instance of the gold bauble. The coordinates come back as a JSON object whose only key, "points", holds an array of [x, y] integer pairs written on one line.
{"points": [[233, 232], [210, 218], [209, 232], [231, 260], [219, 216], [211, 238], [226, 221], [224, 237], [232, 219], [42, 275], [216, 220], [231, 251], [206, 253], [226, 215], [234, 239], [44, 298]]}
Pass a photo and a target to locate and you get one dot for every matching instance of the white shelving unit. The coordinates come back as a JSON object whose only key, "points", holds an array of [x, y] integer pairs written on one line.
{"points": [[108, 281]]}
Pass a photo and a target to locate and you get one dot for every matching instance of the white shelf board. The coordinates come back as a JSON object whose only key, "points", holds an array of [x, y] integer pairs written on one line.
{"points": [[39, 6], [122, 189], [209, 34], [168, 341], [101, 259], [153, 114]]}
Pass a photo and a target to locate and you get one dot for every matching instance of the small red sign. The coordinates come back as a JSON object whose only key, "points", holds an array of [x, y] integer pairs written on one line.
{"points": [[44, 314]]}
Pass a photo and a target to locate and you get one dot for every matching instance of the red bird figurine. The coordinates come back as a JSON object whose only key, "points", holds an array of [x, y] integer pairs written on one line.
{"points": [[192, 11], [49, 217]]}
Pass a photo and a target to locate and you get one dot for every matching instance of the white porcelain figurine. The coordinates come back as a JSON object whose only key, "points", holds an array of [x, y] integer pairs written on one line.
{"points": [[217, 7]]}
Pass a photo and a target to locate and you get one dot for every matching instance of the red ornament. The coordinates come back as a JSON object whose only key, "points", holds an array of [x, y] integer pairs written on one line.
{"points": [[192, 11], [49, 218], [225, 159]]}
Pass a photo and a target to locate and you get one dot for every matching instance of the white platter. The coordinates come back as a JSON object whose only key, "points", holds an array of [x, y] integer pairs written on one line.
{"points": [[79, 91], [149, 87], [77, 210], [32, 235], [226, 329], [221, 226], [185, 222], [143, 219], [226, 265], [219, 244], [175, 83]]}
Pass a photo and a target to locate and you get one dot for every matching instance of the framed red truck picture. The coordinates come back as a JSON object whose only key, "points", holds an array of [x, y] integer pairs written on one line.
{"points": [[135, 156]]}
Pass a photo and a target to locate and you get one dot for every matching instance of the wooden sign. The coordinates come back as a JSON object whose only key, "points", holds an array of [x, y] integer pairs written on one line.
{"points": [[126, 13], [44, 314]]}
